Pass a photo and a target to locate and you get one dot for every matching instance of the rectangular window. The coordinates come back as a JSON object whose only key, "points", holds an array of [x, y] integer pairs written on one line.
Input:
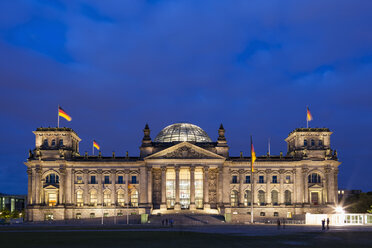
{"points": [[247, 179], [262, 213], [92, 215], [107, 179], [276, 214], [106, 215], [120, 179], [287, 179], [78, 216], [261, 179], [93, 179], [79, 179], [134, 179], [234, 179], [275, 179]]}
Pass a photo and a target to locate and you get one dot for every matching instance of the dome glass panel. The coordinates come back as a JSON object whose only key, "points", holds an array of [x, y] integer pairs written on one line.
{"points": [[182, 132]]}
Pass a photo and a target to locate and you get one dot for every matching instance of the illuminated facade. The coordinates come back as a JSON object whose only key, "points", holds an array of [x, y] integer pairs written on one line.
{"points": [[181, 170]]}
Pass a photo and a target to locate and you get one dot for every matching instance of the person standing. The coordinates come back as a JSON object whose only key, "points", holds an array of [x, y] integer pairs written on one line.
{"points": [[278, 223], [323, 224], [327, 223]]}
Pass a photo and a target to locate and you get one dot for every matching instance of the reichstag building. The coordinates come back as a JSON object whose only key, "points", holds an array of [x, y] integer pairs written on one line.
{"points": [[181, 170]]}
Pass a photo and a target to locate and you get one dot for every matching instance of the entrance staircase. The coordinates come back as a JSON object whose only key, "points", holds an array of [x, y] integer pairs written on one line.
{"points": [[187, 219]]}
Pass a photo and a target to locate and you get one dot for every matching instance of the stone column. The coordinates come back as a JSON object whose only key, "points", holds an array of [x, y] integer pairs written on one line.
{"points": [[61, 191], [149, 186], [177, 206], [192, 188], [206, 188], [335, 185], [226, 186], [294, 182], [306, 185], [113, 187], [126, 186], [163, 205], [29, 187], [72, 191], [281, 187], [268, 184], [38, 185], [86, 187], [34, 188], [100, 187], [68, 186], [241, 190], [142, 186], [299, 186]]}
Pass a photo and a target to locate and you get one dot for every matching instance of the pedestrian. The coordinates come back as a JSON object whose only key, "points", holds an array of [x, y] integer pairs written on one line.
{"points": [[166, 222], [323, 224], [278, 223], [172, 222], [327, 223], [283, 223]]}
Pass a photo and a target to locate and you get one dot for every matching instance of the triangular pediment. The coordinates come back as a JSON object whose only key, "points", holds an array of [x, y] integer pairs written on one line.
{"points": [[315, 186], [185, 150], [50, 186]]}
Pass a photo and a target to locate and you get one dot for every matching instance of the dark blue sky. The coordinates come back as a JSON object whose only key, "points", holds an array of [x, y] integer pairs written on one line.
{"points": [[251, 65]]}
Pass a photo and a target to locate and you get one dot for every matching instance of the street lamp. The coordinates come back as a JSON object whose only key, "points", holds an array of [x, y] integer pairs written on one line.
{"points": [[339, 210]]}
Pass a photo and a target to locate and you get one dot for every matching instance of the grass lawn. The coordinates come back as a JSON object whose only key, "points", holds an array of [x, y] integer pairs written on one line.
{"points": [[143, 239]]}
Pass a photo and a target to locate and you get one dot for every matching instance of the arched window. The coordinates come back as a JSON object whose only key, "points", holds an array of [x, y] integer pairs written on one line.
{"points": [[45, 143], [79, 198], [121, 197], [53, 142], [320, 143], [261, 197], [134, 198], [312, 142], [234, 198], [305, 142], [287, 197], [247, 198], [314, 178], [107, 198], [52, 179], [93, 197], [274, 198], [61, 142]]}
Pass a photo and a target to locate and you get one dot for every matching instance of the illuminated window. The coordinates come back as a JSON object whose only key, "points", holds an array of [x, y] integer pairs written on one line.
{"points": [[93, 197], [92, 215], [134, 198], [274, 198], [170, 189], [78, 216], [287, 179], [261, 198], [275, 179], [79, 179], [276, 214], [198, 188], [52, 199], [262, 213], [247, 198], [234, 198], [121, 197], [234, 179], [79, 198], [107, 198], [185, 188]]}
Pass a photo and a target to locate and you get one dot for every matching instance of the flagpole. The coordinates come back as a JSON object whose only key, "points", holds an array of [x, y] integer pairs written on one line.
{"points": [[252, 190], [58, 116], [269, 146], [93, 148], [307, 116]]}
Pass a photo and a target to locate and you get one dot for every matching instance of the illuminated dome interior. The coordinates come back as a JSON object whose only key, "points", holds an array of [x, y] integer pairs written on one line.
{"points": [[182, 132]]}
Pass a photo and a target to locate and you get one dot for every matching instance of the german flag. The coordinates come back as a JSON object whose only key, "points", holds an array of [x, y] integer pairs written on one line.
{"points": [[253, 155], [63, 114], [95, 144], [309, 117]]}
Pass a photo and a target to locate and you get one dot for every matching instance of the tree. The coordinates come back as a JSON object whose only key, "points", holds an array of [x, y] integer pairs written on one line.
{"points": [[359, 203]]}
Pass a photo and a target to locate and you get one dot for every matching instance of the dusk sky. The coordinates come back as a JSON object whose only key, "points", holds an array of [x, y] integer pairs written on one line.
{"points": [[252, 65]]}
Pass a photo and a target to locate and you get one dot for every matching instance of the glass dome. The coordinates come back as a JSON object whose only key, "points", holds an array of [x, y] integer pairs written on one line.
{"points": [[182, 132]]}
